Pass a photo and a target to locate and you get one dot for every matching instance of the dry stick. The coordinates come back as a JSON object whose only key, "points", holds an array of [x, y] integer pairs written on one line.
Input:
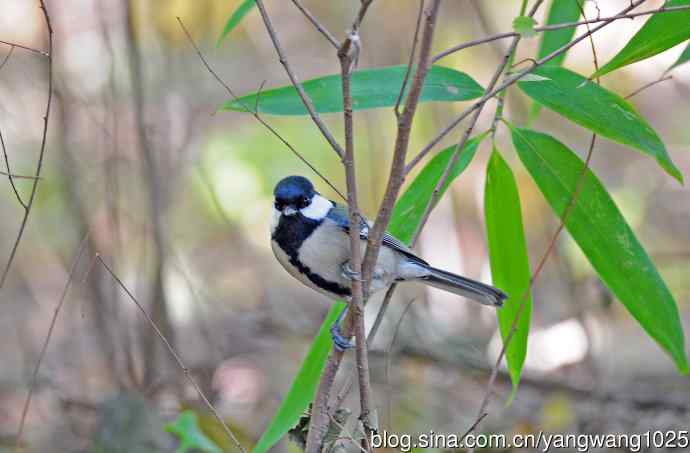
{"points": [[30, 49], [511, 34], [397, 172], [174, 354], [394, 182], [318, 25], [410, 61], [9, 173], [254, 113], [46, 341], [387, 359], [510, 81], [41, 154], [306, 100], [523, 300], [513, 328], [7, 57], [648, 85]]}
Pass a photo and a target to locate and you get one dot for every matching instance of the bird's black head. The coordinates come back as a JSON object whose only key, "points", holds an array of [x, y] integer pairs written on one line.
{"points": [[294, 193]]}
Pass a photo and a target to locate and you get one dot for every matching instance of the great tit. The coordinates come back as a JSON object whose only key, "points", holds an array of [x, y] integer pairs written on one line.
{"points": [[310, 238]]}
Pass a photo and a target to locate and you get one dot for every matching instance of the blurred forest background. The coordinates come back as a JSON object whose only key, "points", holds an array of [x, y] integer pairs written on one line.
{"points": [[177, 198]]}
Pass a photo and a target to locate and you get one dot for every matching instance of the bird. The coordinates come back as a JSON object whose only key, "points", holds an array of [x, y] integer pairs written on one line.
{"points": [[310, 239]]}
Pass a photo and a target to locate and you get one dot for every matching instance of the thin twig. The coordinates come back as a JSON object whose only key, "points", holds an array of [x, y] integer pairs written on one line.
{"points": [[387, 359], [30, 49], [318, 25], [174, 354], [306, 100], [397, 171], [508, 82], [49, 335], [318, 424], [7, 57], [649, 85], [410, 61], [9, 174], [255, 113], [544, 28], [363, 8], [523, 300], [44, 137]]}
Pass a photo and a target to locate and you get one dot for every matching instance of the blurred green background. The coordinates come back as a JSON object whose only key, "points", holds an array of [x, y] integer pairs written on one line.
{"points": [[177, 198]]}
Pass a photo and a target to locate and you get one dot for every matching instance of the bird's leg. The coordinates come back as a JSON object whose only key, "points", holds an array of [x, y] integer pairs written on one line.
{"points": [[348, 273], [339, 341]]}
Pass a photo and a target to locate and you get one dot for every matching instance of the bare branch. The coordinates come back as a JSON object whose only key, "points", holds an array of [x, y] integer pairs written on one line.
{"points": [[544, 28], [649, 85], [7, 57], [174, 354], [44, 137], [318, 25], [410, 61], [296, 83], [508, 82], [46, 341], [30, 49], [254, 113], [9, 174]]}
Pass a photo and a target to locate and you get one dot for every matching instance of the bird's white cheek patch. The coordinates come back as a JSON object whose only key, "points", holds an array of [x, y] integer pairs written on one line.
{"points": [[275, 218], [318, 208]]}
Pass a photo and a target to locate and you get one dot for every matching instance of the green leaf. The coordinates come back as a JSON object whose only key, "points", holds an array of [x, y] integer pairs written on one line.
{"points": [[509, 261], [186, 428], [661, 32], [236, 18], [406, 216], [371, 88], [560, 12], [525, 26], [683, 58], [304, 386], [603, 235], [409, 209], [599, 110]]}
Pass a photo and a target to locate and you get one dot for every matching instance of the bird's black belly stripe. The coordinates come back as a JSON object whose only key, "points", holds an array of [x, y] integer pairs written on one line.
{"points": [[290, 233]]}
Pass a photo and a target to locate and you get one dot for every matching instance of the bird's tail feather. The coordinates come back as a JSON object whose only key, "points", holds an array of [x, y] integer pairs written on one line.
{"points": [[457, 284]]}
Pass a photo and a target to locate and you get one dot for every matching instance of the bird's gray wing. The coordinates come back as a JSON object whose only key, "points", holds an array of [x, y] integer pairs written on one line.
{"points": [[340, 216]]}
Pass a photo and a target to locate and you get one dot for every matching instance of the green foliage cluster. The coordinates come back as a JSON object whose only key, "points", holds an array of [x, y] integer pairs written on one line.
{"points": [[572, 190]]}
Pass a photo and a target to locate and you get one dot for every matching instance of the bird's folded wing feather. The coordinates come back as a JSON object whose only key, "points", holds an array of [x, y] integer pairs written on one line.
{"points": [[340, 216]]}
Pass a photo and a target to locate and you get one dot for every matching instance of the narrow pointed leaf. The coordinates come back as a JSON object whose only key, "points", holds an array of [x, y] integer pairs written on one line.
{"points": [[371, 88], [304, 386], [682, 59], [603, 235], [597, 109], [560, 12], [236, 18], [661, 32], [411, 205], [509, 261]]}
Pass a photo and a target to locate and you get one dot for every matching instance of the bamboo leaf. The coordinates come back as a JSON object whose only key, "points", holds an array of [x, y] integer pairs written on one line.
{"points": [[235, 18], [509, 261], [661, 32], [603, 235], [597, 109], [371, 88]]}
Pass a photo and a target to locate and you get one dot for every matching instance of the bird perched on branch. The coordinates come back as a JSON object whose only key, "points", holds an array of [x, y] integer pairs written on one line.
{"points": [[310, 238]]}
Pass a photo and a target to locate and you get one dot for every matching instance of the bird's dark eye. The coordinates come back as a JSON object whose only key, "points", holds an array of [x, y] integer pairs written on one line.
{"points": [[304, 202]]}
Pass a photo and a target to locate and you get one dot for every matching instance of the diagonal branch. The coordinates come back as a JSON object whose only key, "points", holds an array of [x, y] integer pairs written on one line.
{"points": [[41, 154], [296, 83], [510, 81], [174, 354], [254, 112], [318, 25]]}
